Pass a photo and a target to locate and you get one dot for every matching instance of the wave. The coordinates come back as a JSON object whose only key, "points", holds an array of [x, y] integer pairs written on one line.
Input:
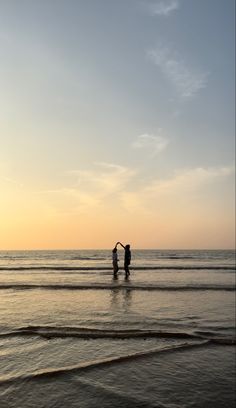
{"points": [[128, 286], [86, 258], [92, 333], [88, 365], [178, 257], [109, 268]]}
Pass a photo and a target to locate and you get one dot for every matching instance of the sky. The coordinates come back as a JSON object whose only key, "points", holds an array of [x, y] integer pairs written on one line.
{"points": [[117, 123]]}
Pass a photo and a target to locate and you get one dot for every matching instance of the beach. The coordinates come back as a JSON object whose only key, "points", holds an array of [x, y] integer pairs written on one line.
{"points": [[73, 336]]}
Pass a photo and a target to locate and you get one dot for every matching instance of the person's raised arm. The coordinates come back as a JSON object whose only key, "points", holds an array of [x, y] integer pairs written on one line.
{"points": [[121, 244]]}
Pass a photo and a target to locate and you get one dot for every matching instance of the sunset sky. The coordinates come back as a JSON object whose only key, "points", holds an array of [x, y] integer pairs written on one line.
{"points": [[117, 124]]}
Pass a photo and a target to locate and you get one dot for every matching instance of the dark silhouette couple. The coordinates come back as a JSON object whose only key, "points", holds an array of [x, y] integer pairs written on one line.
{"points": [[127, 259]]}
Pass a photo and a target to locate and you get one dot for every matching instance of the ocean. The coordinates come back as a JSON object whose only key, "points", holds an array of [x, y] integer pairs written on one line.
{"points": [[71, 335]]}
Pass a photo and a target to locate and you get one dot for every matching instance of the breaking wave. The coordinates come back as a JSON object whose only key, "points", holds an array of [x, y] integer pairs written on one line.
{"points": [[92, 333]]}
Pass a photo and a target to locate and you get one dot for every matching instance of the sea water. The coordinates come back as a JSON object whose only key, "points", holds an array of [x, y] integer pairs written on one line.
{"points": [[71, 335]]}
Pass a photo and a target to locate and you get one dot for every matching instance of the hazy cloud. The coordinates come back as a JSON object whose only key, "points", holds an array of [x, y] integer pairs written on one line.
{"points": [[164, 7], [186, 80], [154, 144]]}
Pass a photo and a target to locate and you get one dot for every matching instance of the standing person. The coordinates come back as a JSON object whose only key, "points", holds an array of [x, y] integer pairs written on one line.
{"points": [[115, 261], [127, 259]]}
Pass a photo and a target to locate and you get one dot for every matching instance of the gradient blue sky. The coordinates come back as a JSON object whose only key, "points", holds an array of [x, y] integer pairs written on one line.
{"points": [[117, 123]]}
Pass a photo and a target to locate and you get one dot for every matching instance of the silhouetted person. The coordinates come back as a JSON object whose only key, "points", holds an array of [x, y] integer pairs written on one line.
{"points": [[127, 259], [115, 261]]}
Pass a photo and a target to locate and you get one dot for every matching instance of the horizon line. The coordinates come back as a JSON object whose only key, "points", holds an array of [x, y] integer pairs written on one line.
{"points": [[134, 248]]}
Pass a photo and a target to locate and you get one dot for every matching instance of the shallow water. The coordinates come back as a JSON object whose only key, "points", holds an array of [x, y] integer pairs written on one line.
{"points": [[72, 336]]}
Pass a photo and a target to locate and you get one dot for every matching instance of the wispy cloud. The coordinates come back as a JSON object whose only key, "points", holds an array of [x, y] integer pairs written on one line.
{"points": [[107, 188], [163, 8], [187, 180], [154, 144], [5, 169], [92, 189], [186, 80], [11, 181], [106, 178], [177, 193]]}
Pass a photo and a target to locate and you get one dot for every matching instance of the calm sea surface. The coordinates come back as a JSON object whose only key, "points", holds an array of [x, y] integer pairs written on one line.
{"points": [[73, 336]]}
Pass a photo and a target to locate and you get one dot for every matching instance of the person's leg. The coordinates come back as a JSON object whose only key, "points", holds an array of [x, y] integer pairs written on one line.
{"points": [[114, 268], [127, 273]]}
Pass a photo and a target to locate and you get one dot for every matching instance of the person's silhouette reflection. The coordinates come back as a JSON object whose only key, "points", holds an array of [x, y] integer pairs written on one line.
{"points": [[127, 298]]}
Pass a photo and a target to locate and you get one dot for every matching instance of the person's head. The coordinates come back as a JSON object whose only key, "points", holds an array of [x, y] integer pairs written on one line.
{"points": [[127, 246], [114, 249]]}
